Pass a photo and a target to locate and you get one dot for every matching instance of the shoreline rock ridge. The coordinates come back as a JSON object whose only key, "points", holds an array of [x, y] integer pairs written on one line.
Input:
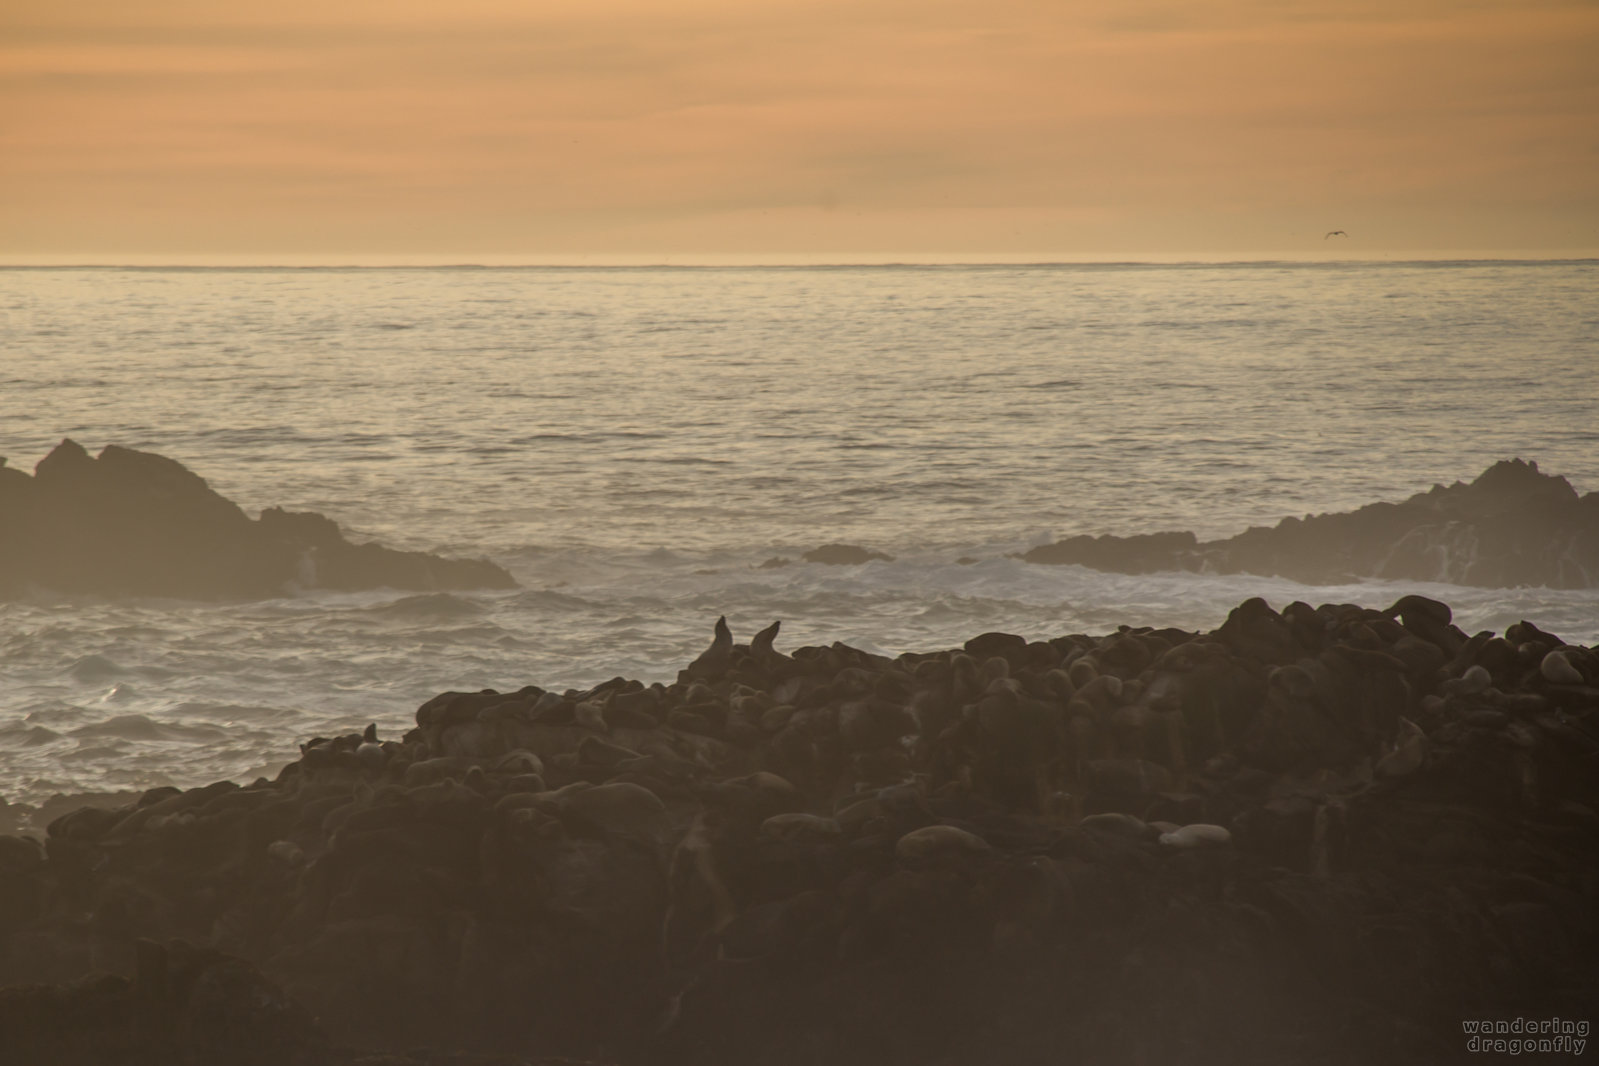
{"points": [[131, 523], [1314, 835], [1511, 526]]}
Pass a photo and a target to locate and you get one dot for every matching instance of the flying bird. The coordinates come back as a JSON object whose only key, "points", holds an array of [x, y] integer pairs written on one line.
{"points": [[1335, 233]]}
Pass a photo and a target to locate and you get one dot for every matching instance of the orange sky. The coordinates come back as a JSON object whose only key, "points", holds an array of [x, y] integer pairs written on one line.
{"points": [[540, 129]]}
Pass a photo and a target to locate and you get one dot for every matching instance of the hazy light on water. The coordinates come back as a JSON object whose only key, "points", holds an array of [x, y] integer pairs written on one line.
{"points": [[635, 443]]}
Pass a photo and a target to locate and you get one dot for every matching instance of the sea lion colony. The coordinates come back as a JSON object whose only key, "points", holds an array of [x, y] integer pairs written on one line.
{"points": [[1310, 836]]}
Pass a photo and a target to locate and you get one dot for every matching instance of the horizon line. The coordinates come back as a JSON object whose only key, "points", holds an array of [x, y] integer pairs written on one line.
{"points": [[778, 260]]}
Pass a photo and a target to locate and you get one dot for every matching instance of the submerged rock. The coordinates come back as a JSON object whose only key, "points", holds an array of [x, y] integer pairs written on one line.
{"points": [[1512, 526], [1311, 836], [844, 555], [132, 523]]}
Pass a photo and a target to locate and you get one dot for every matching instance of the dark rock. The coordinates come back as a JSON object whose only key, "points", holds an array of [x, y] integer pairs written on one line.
{"points": [[132, 523], [1512, 526], [843, 555], [1140, 554]]}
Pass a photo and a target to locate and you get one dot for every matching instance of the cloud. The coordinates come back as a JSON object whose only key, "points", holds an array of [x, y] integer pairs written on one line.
{"points": [[325, 123]]}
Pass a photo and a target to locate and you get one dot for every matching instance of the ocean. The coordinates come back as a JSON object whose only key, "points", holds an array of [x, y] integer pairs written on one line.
{"points": [[634, 443]]}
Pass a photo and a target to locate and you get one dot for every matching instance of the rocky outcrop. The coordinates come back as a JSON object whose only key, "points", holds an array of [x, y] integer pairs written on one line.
{"points": [[844, 555], [1512, 526], [1318, 835], [132, 523]]}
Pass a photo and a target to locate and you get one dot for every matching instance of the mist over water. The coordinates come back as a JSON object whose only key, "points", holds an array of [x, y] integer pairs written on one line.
{"points": [[634, 443]]}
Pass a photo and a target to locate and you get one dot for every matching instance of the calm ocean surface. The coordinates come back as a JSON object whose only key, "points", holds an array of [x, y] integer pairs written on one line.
{"points": [[633, 443]]}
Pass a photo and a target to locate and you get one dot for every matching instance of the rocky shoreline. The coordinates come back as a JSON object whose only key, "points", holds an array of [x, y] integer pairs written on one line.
{"points": [[131, 523], [1314, 835]]}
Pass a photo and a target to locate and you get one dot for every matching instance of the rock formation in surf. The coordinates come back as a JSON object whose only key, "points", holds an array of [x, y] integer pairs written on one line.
{"points": [[844, 555], [132, 523], [1512, 526], [1319, 835]]}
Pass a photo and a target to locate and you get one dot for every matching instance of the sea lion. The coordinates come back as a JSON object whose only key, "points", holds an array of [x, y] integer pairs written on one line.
{"points": [[1409, 753], [761, 643], [1081, 671], [701, 902], [1103, 691], [287, 852], [714, 660], [371, 756], [431, 771], [1556, 669], [592, 751], [1114, 823], [937, 843], [519, 761], [1198, 835], [617, 807], [1419, 610], [855, 811], [798, 826], [1476, 679]]}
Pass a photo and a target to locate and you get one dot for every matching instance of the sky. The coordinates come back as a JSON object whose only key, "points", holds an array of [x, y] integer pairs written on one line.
{"points": [[559, 130]]}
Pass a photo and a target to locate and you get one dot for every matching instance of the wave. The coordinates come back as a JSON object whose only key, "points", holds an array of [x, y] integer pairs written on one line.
{"points": [[94, 668], [142, 727], [429, 605], [22, 735]]}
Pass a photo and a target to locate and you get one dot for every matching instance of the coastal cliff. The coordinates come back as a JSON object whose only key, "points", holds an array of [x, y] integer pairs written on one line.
{"points": [[131, 523], [1315, 835]]}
